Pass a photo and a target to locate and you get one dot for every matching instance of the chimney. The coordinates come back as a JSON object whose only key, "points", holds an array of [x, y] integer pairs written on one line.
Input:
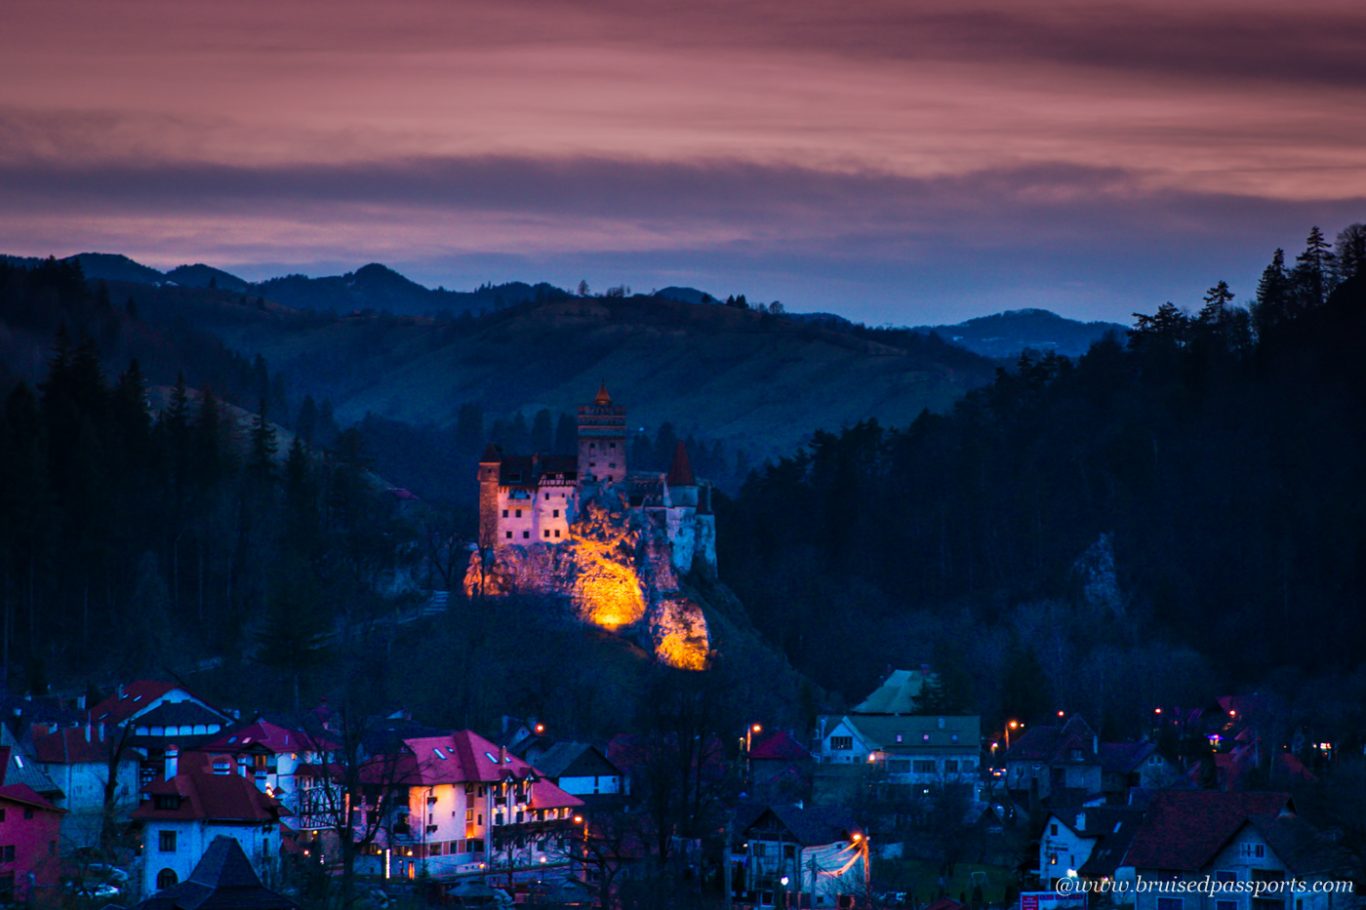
{"points": [[87, 729], [172, 760], [502, 755]]}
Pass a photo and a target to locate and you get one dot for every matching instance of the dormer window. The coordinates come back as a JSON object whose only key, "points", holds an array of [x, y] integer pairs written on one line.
{"points": [[167, 801]]}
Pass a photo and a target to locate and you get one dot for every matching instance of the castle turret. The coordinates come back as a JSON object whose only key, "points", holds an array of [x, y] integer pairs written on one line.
{"points": [[602, 439], [682, 483], [490, 466]]}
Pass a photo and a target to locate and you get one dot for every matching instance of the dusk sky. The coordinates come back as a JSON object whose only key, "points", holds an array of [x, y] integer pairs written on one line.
{"points": [[904, 162]]}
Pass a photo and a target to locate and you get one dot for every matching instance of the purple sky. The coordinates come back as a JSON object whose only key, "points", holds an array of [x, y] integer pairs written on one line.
{"points": [[895, 160]]}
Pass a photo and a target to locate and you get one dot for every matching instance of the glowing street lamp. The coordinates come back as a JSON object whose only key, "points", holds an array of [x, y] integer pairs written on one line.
{"points": [[1012, 725]]}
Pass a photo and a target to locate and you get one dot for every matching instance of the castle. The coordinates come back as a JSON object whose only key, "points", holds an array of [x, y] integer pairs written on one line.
{"points": [[527, 500]]}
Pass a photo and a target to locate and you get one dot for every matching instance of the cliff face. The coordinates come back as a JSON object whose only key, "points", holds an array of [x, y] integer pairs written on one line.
{"points": [[617, 571]]}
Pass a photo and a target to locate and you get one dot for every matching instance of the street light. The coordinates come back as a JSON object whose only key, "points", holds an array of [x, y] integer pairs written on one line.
{"points": [[1012, 725]]}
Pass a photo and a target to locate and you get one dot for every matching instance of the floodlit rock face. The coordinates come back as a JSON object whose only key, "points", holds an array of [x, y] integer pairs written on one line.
{"points": [[617, 570]]}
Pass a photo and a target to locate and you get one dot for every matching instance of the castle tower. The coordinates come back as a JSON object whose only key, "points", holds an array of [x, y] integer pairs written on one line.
{"points": [[602, 439], [682, 482], [490, 466]]}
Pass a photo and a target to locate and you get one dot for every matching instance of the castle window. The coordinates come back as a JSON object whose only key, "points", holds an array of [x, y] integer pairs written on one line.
{"points": [[555, 513], [592, 445], [557, 532], [505, 513], [526, 535], [547, 497], [545, 533], [509, 534], [611, 464], [519, 513]]}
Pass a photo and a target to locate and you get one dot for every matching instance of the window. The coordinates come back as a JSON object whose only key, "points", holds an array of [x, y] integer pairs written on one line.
{"points": [[509, 534], [899, 765], [554, 513], [526, 535], [841, 743], [1053, 830], [166, 841], [519, 513], [923, 766], [557, 532], [547, 497], [545, 533], [166, 878], [436, 849], [7, 853], [28, 813], [951, 765], [2, 815], [1169, 903], [505, 513], [759, 848]]}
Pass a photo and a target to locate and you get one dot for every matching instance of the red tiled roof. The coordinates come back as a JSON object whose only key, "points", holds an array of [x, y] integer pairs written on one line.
{"points": [[272, 737], [778, 746], [205, 796], [70, 745], [132, 698], [1185, 829], [25, 795], [680, 471], [464, 757]]}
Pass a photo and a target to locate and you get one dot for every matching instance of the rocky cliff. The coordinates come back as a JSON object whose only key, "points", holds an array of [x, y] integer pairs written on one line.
{"points": [[616, 572]]}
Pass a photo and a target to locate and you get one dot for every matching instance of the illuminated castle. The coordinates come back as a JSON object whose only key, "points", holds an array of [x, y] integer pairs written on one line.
{"points": [[525, 500]]}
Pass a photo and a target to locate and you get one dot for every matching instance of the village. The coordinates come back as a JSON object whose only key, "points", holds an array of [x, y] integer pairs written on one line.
{"points": [[155, 797]]}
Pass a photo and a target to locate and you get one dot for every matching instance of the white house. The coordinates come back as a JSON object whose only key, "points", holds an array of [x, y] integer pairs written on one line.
{"points": [[581, 770], [790, 856], [271, 755], [921, 750], [1085, 842], [202, 798], [1240, 840], [79, 760], [469, 807]]}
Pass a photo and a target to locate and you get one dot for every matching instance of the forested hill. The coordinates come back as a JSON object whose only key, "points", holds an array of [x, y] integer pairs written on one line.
{"points": [[1190, 499]]}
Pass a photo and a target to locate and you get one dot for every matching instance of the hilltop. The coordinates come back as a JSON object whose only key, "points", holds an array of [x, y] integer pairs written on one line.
{"points": [[1005, 335]]}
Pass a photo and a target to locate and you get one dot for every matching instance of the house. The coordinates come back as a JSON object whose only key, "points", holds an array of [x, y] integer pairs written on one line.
{"points": [[1050, 758], [1134, 766], [30, 827], [79, 760], [159, 713], [1086, 842], [1238, 840], [200, 798], [790, 856], [779, 767], [223, 879], [22, 767], [270, 755], [582, 770], [915, 750], [466, 806]]}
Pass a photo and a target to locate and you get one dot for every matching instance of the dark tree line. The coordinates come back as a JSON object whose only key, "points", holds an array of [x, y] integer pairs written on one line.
{"points": [[135, 538], [1194, 488]]}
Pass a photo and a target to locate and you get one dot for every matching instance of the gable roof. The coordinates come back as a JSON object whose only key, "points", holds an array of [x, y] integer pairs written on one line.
{"points": [[1184, 829], [1300, 846], [1054, 744], [570, 759], [779, 746], [809, 826], [897, 694], [466, 757], [205, 796], [25, 796], [1124, 758], [269, 736], [917, 732], [86, 744], [1111, 828], [130, 700], [223, 879], [17, 766]]}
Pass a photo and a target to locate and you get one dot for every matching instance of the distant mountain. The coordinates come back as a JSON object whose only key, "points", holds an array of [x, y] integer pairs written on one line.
{"points": [[685, 295], [379, 288], [100, 267], [1005, 335], [206, 276]]}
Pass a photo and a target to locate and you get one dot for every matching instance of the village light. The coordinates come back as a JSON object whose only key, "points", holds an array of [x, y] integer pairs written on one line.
{"points": [[1061, 713], [784, 881], [1071, 873]]}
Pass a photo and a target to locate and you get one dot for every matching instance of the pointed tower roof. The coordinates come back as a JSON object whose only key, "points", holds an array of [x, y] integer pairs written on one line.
{"points": [[491, 454], [602, 398], [680, 471]]}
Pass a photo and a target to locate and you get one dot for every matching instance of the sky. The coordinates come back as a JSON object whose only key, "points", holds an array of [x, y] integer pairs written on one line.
{"points": [[902, 161]]}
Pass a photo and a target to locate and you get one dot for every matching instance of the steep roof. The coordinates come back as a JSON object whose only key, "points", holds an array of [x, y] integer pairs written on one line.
{"points": [[180, 714], [809, 826], [1055, 744], [680, 470], [779, 746], [1184, 829], [1113, 830], [897, 694], [570, 759], [1303, 848], [602, 399], [134, 698], [1124, 758], [917, 732], [205, 796], [86, 744], [17, 766], [16, 791], [222, 880], [467, 757], [270, 736]]}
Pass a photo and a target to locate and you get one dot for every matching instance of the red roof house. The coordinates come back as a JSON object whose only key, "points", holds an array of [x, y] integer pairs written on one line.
{"points": [[29, 829]]}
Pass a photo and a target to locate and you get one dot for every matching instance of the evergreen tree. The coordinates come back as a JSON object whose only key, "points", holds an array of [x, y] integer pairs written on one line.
{"points": [[1351, 251], [542, 432], [1273, 304], [566, 434], [1313, 277]]}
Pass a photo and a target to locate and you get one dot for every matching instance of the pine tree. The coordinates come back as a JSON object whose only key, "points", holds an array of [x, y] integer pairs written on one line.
{"points": [[1273, 303], [1314, 274], [1351, 251]]}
